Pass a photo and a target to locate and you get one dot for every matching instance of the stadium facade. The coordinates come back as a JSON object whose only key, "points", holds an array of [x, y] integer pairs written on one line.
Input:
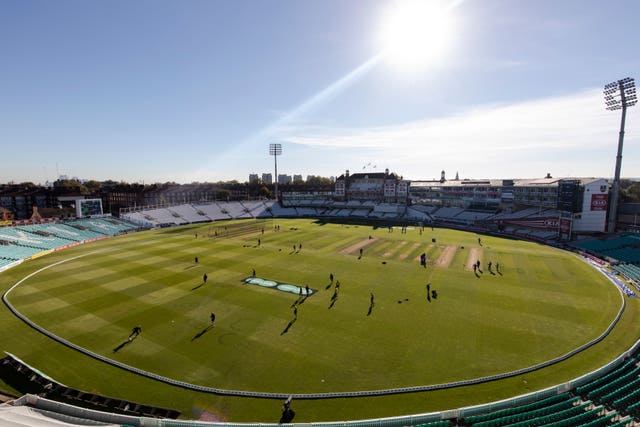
{"points": [[567, 206], [548, 206], [580, 203]]}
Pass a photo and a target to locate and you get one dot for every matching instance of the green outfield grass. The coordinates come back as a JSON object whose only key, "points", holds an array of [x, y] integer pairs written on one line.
{"points": [[543, 303]]}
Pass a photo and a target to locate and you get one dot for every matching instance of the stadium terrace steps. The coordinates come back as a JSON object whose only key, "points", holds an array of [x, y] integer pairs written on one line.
{"points": [[623, 248], [16, 252], [164, 216], [189, 213], [307, 212], [30, 380], [109, 225], [634, 410], [620, 391], [212, 211], [5, 261], [558, 418], [627, 400], [235, 210], [447, 213], [524, 412], [28, 240], [215, 211], [257, 209], [631, 271], [277, 211], [624, 368]]}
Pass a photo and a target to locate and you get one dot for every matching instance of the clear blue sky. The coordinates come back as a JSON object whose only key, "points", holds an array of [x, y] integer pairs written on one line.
{"points": [[186, 91]]}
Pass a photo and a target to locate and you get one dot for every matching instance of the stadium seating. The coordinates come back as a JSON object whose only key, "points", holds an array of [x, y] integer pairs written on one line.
{"points": [[140, 219], [604, 390], [631, 271], [625, 248], [5, 261], [507, 414], [80, 230], [277, 211], [213, 211], [417, 215], [447, 213], [473, 215], [528, 416], [307, 212], [18, 236], [558, 417], [235, 210], [621, 391], [108, 225], [518, 214], [189, 213], [634, 410], [616, 373], [17, 252], [164, 217], [25, 241], [360, 213], [256, 209]]}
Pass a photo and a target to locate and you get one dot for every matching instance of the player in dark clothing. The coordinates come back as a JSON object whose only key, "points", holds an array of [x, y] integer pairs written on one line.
{"points": [[135, 332]]}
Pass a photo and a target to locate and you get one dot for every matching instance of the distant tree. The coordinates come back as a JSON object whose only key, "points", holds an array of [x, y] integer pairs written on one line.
{"points": [[631, 194], [68, 186], [265, 192], [93, 186], [318, 180], [223, 194]]}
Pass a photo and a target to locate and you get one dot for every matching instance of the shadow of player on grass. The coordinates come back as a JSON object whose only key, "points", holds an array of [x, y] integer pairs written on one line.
{"points": [[202, 332], [371, 304], [135, 332], [121, 346], [289, 325]]}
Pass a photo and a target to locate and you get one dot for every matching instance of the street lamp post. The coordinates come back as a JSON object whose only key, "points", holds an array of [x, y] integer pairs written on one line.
{"points": [[275, 150], [618, 96]]}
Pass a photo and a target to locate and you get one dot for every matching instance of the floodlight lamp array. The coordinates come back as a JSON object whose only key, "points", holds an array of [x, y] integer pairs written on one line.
{"points": [[619, 94], [275, 149]]}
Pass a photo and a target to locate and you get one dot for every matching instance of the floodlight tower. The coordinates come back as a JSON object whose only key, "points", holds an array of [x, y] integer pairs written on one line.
{"points": [[618, 96], [275, 150]]}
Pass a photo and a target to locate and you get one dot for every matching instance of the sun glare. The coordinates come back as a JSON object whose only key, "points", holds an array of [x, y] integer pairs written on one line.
{"points": [[416, 32]]}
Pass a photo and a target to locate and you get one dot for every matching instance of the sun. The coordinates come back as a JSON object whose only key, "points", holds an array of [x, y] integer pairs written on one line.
{"points": [[415, 33]]}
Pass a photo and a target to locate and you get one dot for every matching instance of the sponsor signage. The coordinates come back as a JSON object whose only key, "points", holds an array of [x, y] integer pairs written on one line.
{"points": [[39, 254], [302, 291], [541, 223], [599, 202], [565, 229]]}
